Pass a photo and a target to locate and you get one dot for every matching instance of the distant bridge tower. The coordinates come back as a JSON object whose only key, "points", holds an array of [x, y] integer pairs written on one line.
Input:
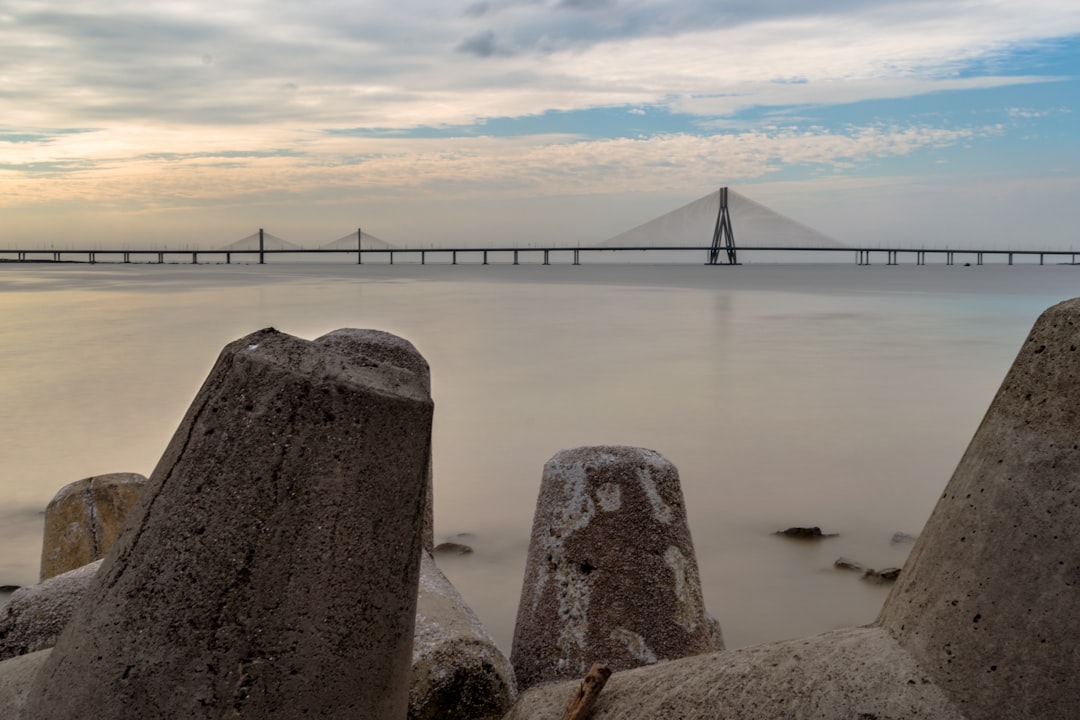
{"points": [[722, 235]]}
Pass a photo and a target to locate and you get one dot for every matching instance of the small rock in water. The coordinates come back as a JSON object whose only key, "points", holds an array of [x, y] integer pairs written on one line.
{"points": [[881, 576], [902, 537], [8, 588], [452, 548], [808, 533], [846, 564]]}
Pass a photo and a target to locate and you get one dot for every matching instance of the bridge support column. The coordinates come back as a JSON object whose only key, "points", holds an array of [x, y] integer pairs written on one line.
{"points": [[228, 258], [515, 257], [93, 258], [127, 257], [453, 257], [160, 258], [391, 257], [485, 257], [1010, 258], [978, 258], [423, 257], [949, 257], [577, 256], [546, 258], [1040, 258], [194, 258]]}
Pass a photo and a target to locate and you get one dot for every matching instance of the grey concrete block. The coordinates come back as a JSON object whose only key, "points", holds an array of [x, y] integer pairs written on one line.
{"points": [[17, 676], [611, 574], [383, 347], [458, 673], [271, 568], [989, 600], [852, 674], [34, 616], [84, 518]]}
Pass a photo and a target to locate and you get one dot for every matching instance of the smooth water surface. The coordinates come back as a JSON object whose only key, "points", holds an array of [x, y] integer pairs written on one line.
{"points": [[837, 396]]}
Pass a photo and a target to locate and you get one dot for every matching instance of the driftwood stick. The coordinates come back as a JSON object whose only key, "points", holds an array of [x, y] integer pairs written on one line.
{"points": [[587, 694]]}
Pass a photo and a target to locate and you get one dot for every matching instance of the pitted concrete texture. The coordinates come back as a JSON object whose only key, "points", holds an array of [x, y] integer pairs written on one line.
{"points": [[84, 518], [458, 673], [271, 567], [34, 616], [383, 347], [852, 674], [611, 575], [16, 678], [989, 600]]}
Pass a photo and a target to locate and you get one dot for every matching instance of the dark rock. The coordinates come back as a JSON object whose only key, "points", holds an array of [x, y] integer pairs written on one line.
{"points": [[900, 538], [452, 548], [805, 533], [845, 564], [9, 588]]}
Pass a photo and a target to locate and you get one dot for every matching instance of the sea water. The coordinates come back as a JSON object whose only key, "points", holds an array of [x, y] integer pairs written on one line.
{"points": [[831, 395]]}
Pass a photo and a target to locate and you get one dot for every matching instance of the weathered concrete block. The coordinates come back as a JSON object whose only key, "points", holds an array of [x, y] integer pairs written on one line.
{"points": [[84, 518], [852, 674], [611, 574], [17, 676], [458, 673], [271, 567], [34, 616], [383, 347], [988, 600]]}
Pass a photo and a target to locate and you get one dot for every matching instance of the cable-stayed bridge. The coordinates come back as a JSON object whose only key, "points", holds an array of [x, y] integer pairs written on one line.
{"points": [[719, 226]]}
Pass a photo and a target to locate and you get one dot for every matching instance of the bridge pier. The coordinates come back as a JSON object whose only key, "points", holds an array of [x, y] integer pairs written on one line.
{"points": [[160, 258], [453, 257], [228, 258], [891, 257], [194, 258], [577, 258], [546, 258], [93, 258], [423, 257], [515, 257], [1010, 258], [391, 257], [949, 257], [1040, 258], [485, 257]]}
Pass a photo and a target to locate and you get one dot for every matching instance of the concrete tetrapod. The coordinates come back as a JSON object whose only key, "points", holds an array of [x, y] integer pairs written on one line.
{"points": [[84, 518], [458, 673], [989, 600], [35, 615], [383, 347], [982, 623], [611, 574], [271, 567]]}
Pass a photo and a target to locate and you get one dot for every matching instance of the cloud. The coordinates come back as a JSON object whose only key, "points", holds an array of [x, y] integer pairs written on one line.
{"points": [[482, 44]]}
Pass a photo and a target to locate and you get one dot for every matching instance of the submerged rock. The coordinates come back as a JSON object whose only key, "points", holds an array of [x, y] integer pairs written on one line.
{"points": [[805, 533], [452, 548]]}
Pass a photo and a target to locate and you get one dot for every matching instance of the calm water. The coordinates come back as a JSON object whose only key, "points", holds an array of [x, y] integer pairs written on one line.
{"points": [[838, 396]]}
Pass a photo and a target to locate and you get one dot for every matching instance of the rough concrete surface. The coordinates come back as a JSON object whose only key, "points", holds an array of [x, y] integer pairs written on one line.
{"points": [[271, 567], [383, 347], [458, 673], [16, 678], [852, 674], [84, 518], [611, 574], [989, 600], [34, 616]]}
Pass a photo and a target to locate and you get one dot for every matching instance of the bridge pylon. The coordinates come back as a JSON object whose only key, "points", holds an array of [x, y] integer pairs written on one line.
{"points": [[723, 236]]}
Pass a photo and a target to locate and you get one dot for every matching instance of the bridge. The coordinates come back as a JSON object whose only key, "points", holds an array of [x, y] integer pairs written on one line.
{"points": [[732, 224]]}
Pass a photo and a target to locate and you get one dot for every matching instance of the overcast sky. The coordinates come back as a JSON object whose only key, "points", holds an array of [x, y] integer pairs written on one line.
{"points": [[949, 122]]}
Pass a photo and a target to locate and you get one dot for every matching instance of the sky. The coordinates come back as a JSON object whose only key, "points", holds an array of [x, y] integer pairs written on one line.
{"points": [[187, 123]]}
